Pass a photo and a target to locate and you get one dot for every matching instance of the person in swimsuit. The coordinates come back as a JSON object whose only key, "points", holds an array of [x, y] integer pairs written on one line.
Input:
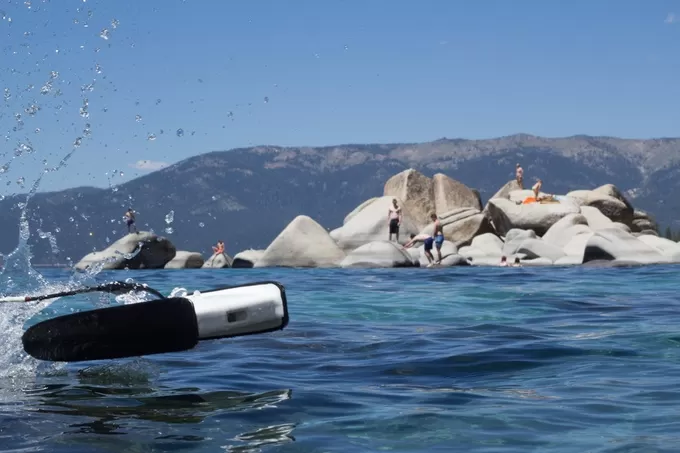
{"points": [[537, 189], [519, 176], [219, 248], [438, 236], [427, 240], [130, 220], [394, 219]]}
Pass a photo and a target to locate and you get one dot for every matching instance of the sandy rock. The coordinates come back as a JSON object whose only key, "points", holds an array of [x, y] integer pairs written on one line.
{"points": [[370, 224], [461, 225], [615, 244], [185, 260], [218, 261], [507, 215], [143, 250], [247, 258], [303, 243], [450, 194], [613, 208], [378, 254], [416, 192]]}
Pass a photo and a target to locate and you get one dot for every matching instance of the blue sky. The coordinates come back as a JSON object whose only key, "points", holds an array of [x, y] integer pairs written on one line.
{"points": [[232, 74]]}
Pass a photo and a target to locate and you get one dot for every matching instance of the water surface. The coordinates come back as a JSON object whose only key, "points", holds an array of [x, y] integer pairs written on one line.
{"points": [[409, 360]]}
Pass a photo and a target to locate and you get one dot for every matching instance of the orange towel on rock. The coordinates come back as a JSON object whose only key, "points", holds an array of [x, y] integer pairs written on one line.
{"points": [[528, 200]]}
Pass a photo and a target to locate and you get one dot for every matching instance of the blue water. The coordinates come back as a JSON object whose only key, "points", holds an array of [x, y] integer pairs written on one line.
{"points": [[460, 359]]}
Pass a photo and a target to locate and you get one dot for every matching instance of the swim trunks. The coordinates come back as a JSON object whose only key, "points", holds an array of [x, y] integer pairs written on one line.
{"points": [[439, 240], [428, 243], [394, 226]]}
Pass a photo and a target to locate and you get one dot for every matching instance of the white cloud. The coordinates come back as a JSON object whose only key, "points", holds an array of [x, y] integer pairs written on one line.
{"points": [[150, 165], [671, 19]]}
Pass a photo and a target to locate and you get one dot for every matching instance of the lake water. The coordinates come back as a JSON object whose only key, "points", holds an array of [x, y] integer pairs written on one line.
{"points": [[408, 360]]}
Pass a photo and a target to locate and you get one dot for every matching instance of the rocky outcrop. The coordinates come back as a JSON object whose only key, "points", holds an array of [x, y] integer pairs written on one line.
{"points": [[643, 222], [185, 260], [507, 189], [616, 244], [303, 243], [507, 215], [246, 258], [143, 250], [416, 192], [610, 206], [450, 195], [218, 261], [378, 254], [370, 224]]}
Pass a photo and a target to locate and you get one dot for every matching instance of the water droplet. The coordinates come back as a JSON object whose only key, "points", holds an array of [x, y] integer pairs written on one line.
{"points": [[98, 68], [115, 23], [214, 198], [170, 217], [88, 130], [37, 130], [57, 229], [71, 219], [201, 224], [151, 137], [169, 230], [104, 34], [158, 101], [346, 47], [21, 181], [83, 110], [78, 142], [180, 132], [138, 118], [8, 95], [266, 99], [32, 109]]}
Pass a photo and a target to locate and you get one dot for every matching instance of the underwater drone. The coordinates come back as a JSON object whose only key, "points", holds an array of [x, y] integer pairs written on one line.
{"points": [[167, 324]]}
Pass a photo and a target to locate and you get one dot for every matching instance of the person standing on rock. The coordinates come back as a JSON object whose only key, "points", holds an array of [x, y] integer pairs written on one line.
{"points": [[438, 236], [219, 248], [519, 176], [394, 219], [130, 220]]}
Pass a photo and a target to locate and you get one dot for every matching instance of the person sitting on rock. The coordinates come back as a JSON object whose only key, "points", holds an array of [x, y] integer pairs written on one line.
{"points": [[394, 219], [519, 176], [130, 220], [516, 263], [219, 248], [427, 240], [438, 236], [504, 261]]}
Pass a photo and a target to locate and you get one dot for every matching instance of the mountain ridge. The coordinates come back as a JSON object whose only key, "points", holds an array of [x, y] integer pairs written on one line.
{"points": [[247, 195]]}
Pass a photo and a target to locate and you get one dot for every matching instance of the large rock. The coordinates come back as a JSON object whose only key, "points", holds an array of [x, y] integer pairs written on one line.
{"points": [[416, 193], [612, 191], [509, 187], [535, 248], [539, 217], [596, 220], [461, 225], [615, 209], [665, 246], [370, 224], [564, 229], [143, 250], [643, 222], [485, 249], [304, 243], [185, 260], [358, 209], [247, 258], [378, 254], [616, 244], [217, 261], [450, 194], [518, 196]]}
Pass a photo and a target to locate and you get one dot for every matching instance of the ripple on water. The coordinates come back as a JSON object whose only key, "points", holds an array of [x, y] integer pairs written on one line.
{"points": [[407, 360]]}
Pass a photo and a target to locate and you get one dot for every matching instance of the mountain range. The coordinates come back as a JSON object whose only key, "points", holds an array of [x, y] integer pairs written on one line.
{"points": [[246, 196]]}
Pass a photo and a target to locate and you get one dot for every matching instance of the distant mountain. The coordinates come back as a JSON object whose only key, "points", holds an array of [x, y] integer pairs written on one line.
{"points": [[247, 196]]}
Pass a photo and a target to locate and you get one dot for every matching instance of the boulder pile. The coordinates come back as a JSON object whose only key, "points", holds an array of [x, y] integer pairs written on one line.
{"points": [[582, 226]]}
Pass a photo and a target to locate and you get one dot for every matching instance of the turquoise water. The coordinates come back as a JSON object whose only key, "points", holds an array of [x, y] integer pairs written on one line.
{"points": [[407, 360]]}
